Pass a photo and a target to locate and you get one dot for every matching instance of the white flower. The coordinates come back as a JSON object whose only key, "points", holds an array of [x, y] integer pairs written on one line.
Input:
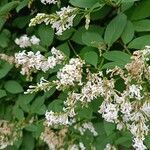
{"points": [[138, 144], [32, 62], [73, 147], [23, 41], [71, 73], [146, 108], [92, 89], [134, 91], [109, 147], [109, 112], [34, 40], [60, 21], [56, 119], [90, 127], [82, 147], [49, 1]]}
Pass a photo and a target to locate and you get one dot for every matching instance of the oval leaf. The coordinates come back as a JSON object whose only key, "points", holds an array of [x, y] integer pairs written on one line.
{"points": [[115, 29], [128, 33], [91, 58], [142, 25], [140, 42], [13, 87]]}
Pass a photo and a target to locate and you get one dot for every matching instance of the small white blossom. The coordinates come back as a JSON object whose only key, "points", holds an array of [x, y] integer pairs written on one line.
{"points": [[56, 119], [49, 1], [23, 41], [60, 21], [146, 108], [138, 144], [109, 112], [32, 62], [134, 91], [71, 73], [92, 89], [34, 40], [82, 147], [109, 147]]}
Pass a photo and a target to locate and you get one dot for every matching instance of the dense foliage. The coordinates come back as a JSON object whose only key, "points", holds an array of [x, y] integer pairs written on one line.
{"points": [[74, 74]]}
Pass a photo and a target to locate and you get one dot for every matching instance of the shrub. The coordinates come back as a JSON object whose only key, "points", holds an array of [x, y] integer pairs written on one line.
{"points": [[74, 74]]}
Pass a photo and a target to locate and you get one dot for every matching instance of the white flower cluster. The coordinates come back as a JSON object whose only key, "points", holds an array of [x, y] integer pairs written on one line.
{"points": [[131, 108], [60, 21], [134, 91], [54, 140], [109, 112], [65, 21], [8, 134], [31, 62], [49, 1], [70, 74], [43, 85], [86, 126], [92, 89], [80, 146], [110, 147], [25, 41], [57, 119]]}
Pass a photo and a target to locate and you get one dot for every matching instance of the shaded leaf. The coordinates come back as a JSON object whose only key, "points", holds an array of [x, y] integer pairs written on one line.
{"points": [[114, 29]]}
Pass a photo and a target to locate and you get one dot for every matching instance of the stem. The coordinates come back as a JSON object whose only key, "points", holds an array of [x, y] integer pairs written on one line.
{"points": [[73, 48]]}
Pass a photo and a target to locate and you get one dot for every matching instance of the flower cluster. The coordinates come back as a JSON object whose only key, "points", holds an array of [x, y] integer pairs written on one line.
{"points": [[110, 147], [30, 62], [130, 109], [86, 126], [58, 118], [25, 41], [8, 134], [54, 140], [70, 74], [79, 146], [43, 85], [49, 1], [60, 21]]}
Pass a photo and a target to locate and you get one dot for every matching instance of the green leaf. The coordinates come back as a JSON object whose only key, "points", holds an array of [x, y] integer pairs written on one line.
{"points": [[4, 39], [8, 7], [36, 48], [13, 87], [66, 34], [18, 113], [142, 25], [117, 56], [2, 93], [140, 42], [92, 39], [114, 29], [140, 11], [112, 65], [4, 69], [109, 128], [2, 22], [77, 37], [22, 4], [128, 33], [91, 58], [28, 142], [46, 35], [21, 22], [64, 48], [56, 105], [37, 104], [84, 3]]}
